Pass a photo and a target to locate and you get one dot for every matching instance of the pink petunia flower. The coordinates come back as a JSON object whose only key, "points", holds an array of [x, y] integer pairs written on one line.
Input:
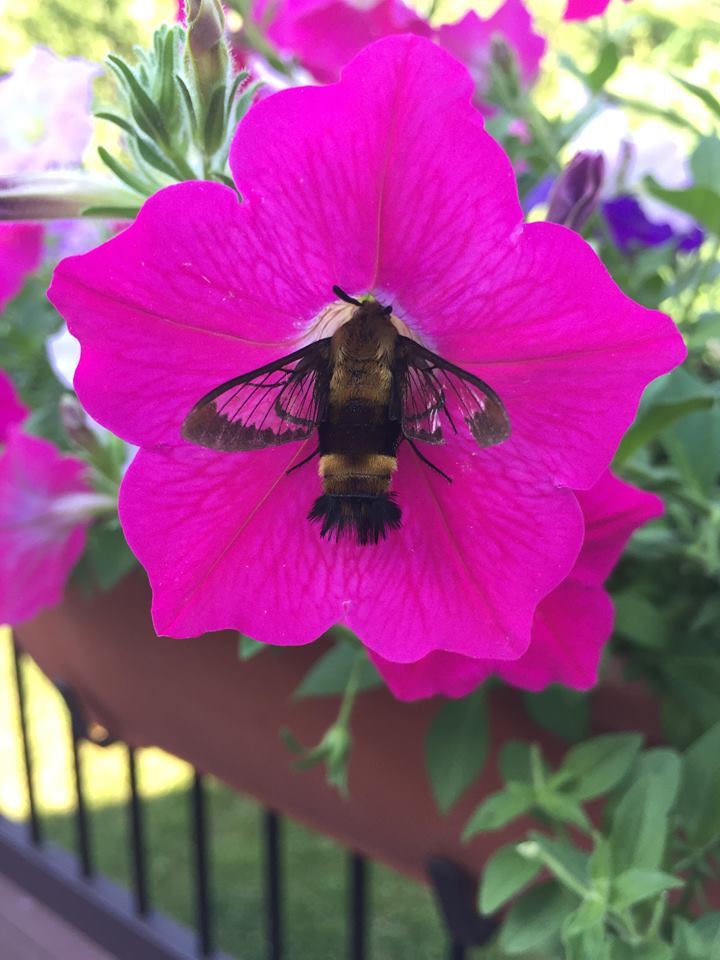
{"points": [[470, 40], [324, 35], [383, 184], [572, 624], [45, 507], [21, 250], [11, 409], [45, 106], [584, 9]]}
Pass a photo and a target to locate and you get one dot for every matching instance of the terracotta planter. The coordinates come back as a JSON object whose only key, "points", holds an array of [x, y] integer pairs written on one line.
{"points": [[195, 699]]}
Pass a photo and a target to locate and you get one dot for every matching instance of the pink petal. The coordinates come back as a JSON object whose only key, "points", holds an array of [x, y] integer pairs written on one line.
{"points": [[571, 628], [470, 40], [21, 246], [571, 625], [11, 410], [584, 9], [464, 573], [567, 351], [613, 510], [37, 552], [324, 36], [185, 298]]}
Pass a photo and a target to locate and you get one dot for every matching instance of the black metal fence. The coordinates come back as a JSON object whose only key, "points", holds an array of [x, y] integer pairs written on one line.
{"points": [[124, 921]]}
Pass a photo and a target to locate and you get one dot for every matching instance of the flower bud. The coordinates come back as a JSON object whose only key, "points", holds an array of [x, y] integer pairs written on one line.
{"points": [[60, 194], [575, 194], [207, 47], [75, 424]]}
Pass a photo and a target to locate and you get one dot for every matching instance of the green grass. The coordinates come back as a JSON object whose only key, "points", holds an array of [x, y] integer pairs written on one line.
{"points": [[405, 924]]}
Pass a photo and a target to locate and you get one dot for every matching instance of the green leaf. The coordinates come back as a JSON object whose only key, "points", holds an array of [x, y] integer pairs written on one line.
{"points": [[701, 93], [596, 766], [500, 809], [651, 424], [109, 555], [127, 176], [702, 203], [634, 885], [562, 711], [642, 951], [705, 163], [640, 620], [504, 874], [249, 648], [562, 858], [536, 918], [607, 64], [590, 914], [143, 109], [515, 761], [561, 807], [640, 825], [699, 804], [329, 675], [456, 748]]}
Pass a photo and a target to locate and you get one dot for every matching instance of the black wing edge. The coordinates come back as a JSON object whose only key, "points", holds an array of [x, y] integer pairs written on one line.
{"points": [[438, 381], [207, 424]]}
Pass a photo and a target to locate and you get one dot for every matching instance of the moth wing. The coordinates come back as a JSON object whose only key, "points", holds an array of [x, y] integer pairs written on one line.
{"points": [[431, 390], [275, 404]]}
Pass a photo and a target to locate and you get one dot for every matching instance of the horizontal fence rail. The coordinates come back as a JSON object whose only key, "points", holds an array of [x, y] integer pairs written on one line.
{"points": [[124, 922]]}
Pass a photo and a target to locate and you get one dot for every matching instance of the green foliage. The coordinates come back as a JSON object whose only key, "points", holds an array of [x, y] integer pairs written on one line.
{"points": [[177, 116], [456, 748], [608, 892]]}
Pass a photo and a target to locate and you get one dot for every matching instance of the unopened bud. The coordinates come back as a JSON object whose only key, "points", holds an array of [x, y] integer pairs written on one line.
{"points": [[207, 46], [575, 194], [58, 194], [75, 423]]}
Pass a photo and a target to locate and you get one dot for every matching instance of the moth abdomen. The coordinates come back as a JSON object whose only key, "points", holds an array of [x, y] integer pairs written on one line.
{"points": [[368, 517]]}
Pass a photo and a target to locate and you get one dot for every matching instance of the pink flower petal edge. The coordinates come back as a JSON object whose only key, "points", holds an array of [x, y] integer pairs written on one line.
{"points": [[21, 249], [572, 624], [11, 409], [38, 546], [584, 9]]}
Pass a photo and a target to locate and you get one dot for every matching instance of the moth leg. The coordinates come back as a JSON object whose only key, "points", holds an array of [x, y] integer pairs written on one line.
{"points": [[302, 463], [429, 463]]}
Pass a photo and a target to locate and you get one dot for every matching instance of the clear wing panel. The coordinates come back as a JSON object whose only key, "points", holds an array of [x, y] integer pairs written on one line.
{"points": [[278, 403]]}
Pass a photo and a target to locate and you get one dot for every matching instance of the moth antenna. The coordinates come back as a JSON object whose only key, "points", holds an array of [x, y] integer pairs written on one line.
{"points": [[346, 297]]}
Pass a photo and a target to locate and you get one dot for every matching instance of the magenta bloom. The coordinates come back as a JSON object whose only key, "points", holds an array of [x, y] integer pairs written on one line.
{"points": [[584, 9], [324, 35], [470, 40], [42, 524], [11, 409], [383, 184], [21, 250], [572, 624]]}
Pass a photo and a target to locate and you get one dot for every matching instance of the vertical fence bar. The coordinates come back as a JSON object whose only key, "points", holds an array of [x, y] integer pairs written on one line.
{"points": [[137, 838], [457, 952], [81, 816], [273, 885], [202, 877], [34, 827], [357, 906]]}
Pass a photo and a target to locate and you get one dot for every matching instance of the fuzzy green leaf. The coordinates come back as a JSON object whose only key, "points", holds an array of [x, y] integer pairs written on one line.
{"points": [[456, 748], [504, 875]]}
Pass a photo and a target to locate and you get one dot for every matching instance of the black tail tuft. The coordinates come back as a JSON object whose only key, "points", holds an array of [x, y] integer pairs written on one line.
{"points": [[367, 518]]}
